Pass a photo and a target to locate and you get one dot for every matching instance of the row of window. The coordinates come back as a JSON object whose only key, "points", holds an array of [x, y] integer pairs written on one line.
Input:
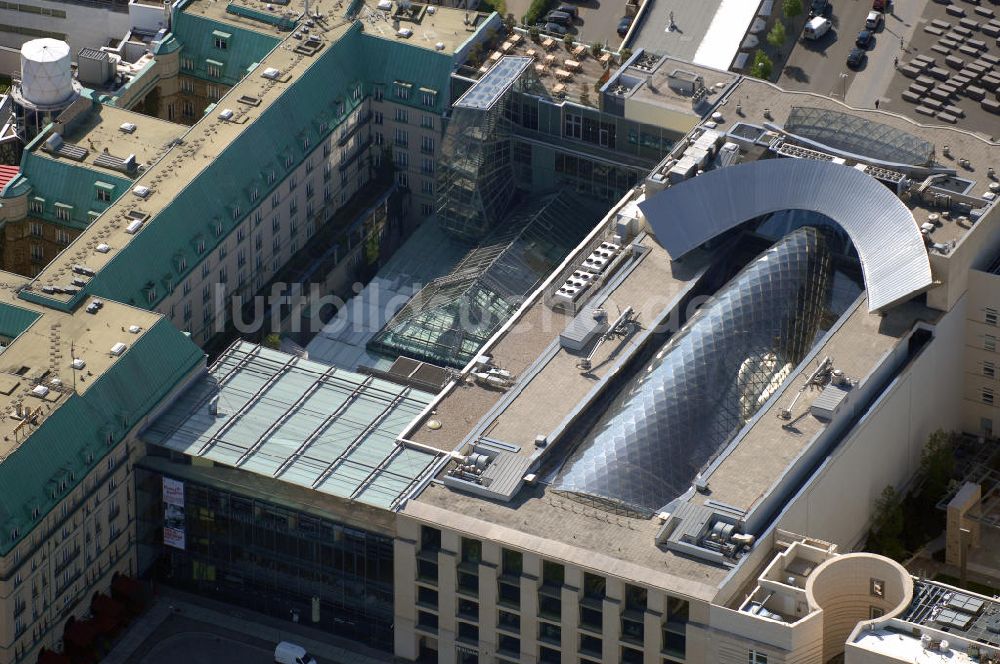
{"points": [[403, 117], [32, 9], [403, 90], [549, 600]]}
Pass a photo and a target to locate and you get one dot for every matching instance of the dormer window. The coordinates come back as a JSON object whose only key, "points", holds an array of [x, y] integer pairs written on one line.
{"points": [[104, 191], [221, 39]]}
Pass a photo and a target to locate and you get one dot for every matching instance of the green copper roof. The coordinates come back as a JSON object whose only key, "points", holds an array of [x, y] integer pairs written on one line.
{"points": [[312, 108], [243, 48], [75, 437], [389, 61], [58, 181], [15, 320]]}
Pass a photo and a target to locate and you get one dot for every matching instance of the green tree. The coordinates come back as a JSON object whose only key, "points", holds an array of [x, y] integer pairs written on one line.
{"points": [[776, 37], [272, 341], [937, 465], [792, 8], [887, 525], [626, 53], [762, 65], [533, 32]]}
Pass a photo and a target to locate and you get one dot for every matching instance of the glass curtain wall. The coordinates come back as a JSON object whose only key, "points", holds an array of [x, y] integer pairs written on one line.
{"points": [[274, 560]]}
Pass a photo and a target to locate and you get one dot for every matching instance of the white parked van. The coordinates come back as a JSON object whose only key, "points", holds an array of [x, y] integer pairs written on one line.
{"points": [[291, 653], [816, 28]]}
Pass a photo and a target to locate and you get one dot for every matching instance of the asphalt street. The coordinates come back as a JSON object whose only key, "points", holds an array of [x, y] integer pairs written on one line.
{"points": [[821, 65], [872, 82], [204, 648]]}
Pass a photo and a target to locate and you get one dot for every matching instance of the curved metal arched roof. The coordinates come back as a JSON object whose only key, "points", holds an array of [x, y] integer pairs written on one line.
{"points": [[883, 230]]}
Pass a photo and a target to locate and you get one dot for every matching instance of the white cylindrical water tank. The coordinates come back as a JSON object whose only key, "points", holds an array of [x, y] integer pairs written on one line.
{"points": [[46, 77]]}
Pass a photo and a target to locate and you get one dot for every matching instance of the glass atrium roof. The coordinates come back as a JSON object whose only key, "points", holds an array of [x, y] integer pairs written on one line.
{"points": [[449, 320], [301, 422], [859, 136], [491, 87], [706, 382]]}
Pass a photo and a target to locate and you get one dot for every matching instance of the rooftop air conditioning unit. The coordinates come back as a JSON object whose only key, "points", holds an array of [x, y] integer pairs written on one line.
{"points": [[78, 364], [54, 142], [271, 73], [142, 191], [40, 391], [134, 329], [134, 227], [127, 127], [405, 33], [103, 248], [84, 270], [118, 349], [226, 114]]}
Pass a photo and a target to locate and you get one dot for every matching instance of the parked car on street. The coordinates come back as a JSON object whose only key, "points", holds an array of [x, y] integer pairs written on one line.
{"points": [[819, 8], [856, 57], [572, 10], [562, 18], [875, 21], [865, 38], [623, 25], [816, 27], [554, 28]]}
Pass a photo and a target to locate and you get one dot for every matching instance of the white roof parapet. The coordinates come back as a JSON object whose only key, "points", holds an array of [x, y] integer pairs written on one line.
{"points": [[893, 257]]}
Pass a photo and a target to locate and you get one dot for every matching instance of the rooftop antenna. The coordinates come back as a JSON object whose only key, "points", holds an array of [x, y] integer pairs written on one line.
{"points": [[72, 356]]}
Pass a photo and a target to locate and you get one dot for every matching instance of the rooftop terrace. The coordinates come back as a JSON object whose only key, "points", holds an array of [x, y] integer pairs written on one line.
{"points": [[568, 73]]}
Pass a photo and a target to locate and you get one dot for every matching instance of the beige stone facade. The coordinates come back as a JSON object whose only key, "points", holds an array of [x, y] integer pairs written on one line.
{"points": [[53, 574]]}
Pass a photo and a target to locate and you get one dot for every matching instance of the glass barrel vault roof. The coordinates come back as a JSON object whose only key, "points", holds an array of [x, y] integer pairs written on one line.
{"points": [[859, 136]]}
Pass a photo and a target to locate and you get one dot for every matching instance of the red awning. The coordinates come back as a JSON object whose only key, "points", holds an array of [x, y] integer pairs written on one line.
{"points": [[8, 173], [105, 606], [52, 657], [127, 587], [106, 623], [80, 633]]}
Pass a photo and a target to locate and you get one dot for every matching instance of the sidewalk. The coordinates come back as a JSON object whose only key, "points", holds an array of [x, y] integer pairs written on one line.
{"points": [[326, 647]]}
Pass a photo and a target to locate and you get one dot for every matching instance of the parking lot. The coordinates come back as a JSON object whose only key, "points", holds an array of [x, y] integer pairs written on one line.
{"points": [[598, 20], [821, 65]]}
